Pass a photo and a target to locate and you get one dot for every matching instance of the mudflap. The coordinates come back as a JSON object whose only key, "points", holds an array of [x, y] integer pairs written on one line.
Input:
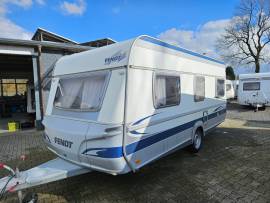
{"points": [[50, 171]]}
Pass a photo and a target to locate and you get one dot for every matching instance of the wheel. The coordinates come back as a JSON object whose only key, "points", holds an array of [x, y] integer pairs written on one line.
{"points": [[197, 141], [30, 198]]}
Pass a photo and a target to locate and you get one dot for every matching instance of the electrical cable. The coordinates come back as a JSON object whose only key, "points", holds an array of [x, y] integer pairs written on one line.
{"points": [[2, 193]]}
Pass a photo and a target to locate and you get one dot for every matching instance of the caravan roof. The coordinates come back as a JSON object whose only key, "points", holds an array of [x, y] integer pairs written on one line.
{"points": [[254, 75], [143, 51]]}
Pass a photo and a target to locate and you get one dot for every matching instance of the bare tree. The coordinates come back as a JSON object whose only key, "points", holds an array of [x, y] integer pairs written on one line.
{"points": [[248, 34]]}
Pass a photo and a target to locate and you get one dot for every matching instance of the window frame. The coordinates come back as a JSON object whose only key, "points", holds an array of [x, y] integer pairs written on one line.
{"points": [[169, 74], [224, 88], [85, 74], [230, 87], [14, 82], [194, 86], [247, 90]]}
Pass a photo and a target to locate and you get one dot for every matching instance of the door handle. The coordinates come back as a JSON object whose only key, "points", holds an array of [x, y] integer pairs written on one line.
{"points": [[205, 116]]}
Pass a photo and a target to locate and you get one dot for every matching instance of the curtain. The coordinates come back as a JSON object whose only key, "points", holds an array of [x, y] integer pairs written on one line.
{"points": [[70, 89], [160, 91], [200, 87], [220, 88], [81, 92], [92, 92]]}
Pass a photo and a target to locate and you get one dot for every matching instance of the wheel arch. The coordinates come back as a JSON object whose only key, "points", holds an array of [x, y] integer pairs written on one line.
{"points": [[198, 126]]}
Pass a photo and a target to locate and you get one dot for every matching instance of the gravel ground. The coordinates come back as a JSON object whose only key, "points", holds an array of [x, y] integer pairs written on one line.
{"points": [[233, 166]]}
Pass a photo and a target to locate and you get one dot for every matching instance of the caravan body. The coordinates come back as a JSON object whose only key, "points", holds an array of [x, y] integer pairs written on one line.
{"points": [[230, 91], [116, 108], [254, 89]]}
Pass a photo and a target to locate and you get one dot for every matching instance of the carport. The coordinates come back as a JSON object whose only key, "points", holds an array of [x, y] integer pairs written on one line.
{"points": [[17, 101], [25, 72], [26, 67]]}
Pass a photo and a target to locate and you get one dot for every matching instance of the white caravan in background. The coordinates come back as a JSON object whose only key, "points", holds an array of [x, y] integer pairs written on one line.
{"points": [[230, 91], [117, 108], [254, 89], [235, 86]]}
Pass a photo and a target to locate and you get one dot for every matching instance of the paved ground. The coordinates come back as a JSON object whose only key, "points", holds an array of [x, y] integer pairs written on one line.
{"points": [[237, 111], [233, 166]]}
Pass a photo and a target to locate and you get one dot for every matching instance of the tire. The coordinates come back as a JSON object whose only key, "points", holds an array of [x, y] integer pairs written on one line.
{"points": [[197, 142], [30, 198]]}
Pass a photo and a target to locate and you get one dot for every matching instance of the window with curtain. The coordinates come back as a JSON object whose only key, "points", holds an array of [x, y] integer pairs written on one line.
{"points": [[251, 86], [228, 87], [82, 93], [220, 92], [166, 90], [199, 88]]}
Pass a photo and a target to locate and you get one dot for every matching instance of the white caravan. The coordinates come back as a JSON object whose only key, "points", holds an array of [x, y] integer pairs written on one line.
{"points": [[230, 91], [254, 89], [117, 108], [235, 86]]}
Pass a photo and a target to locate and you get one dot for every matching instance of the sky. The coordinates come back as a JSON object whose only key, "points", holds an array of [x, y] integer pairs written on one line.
{"points": [[192, 24]]}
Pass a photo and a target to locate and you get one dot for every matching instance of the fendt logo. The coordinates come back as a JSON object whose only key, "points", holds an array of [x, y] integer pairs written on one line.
{"points": [[62, 142], [118, 56]]}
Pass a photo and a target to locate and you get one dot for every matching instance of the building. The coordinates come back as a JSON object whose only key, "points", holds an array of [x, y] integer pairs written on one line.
{"points": [[25, 70]]}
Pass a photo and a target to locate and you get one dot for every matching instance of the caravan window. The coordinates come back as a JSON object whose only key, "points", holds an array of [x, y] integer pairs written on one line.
{"points": [[166, 90], [199, 88], [220, 92], [82, 92], [251, 86], [228, 87]]}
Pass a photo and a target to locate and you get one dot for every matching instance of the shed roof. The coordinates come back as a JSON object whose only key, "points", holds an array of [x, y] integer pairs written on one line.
{"points": [[47, 44], [99, 42], [45, 35]]}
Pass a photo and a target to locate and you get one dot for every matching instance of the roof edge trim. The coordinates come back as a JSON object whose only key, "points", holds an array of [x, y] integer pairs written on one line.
{"points": [[177, 48]]}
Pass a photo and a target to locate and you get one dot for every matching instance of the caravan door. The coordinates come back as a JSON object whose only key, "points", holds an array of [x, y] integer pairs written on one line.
{"points": [[205, 118]]}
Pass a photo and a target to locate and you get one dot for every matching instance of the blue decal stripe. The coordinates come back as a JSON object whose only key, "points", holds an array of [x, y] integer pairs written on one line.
{"points": [[112, 152], [134, 147], [139, 121], [213, 115], [164, 44], [223, 111], [218, 108], [135, 132], [117, 152]]}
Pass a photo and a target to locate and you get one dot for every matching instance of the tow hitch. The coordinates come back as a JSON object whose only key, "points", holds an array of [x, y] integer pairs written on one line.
{"points": [[50, 171]]}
